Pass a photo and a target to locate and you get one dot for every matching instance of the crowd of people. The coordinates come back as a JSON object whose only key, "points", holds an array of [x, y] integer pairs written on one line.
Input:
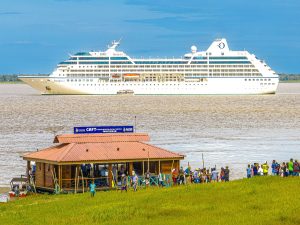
{"points": [[285, 169], [197, 176]]}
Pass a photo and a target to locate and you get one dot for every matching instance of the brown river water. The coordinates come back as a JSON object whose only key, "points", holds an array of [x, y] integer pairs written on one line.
{"points": [[228, 130]]}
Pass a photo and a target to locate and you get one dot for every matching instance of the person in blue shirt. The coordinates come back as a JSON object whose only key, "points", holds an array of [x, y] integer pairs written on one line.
{"points": [[249, 171], [255, 169], [93, 188], [274, 168]]}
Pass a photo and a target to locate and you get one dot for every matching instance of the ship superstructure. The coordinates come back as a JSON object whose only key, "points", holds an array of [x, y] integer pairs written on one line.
{"points": [[218, 70]]}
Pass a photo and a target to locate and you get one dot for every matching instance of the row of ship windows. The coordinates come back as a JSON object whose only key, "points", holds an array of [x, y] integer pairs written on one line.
{"points": [[267, 83], [167, 79], [125, 58], [152, 62], [142, 84], [165, 66], [164, 70], [259, 79], [178, 75]]}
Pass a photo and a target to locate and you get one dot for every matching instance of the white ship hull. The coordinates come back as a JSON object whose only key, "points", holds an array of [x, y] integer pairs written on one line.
{"points": [[215, 71], [219, 86]]}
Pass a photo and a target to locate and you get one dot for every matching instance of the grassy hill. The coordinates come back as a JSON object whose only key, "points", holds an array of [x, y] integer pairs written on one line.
{"points": [[261, 200]]}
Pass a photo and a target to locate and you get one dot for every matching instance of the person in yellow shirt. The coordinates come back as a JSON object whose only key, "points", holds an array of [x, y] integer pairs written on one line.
{"points": [[265, 168]]}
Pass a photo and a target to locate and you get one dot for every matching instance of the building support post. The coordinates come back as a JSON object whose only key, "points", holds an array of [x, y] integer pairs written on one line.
{"points": [[143, 168], [158, 166], [110, 175], [130, 168], [27, 171], [59, 176]]}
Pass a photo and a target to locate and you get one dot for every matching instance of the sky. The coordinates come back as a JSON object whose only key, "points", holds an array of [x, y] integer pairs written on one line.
{"points": [[35, 35]]}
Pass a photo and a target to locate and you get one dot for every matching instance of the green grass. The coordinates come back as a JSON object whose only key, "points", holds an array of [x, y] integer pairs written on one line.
{"points": [[261, 200]]}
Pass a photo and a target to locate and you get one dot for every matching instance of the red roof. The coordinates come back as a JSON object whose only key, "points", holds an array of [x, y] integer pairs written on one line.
{"points": [[98, 138], [102, 151]]}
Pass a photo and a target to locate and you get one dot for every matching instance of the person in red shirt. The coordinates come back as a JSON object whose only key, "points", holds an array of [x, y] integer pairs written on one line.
{"points": [[296, 168]]}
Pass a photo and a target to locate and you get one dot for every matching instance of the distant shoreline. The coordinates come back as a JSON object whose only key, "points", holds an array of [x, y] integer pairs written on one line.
{"points": [[12, 82], [289, 81]]}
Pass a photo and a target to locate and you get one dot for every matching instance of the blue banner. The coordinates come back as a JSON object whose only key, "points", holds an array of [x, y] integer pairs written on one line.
{"points": [[103, 129]]}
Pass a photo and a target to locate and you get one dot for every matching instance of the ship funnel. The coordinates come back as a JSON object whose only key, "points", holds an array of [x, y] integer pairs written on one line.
{"points": [[219, 45]]}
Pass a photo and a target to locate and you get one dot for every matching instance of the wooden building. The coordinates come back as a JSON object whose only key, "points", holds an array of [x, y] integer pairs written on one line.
{"points": [[77, 159]]}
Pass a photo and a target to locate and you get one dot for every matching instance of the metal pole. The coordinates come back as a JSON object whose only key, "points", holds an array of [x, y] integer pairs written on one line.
{"points": [[148, 170], [135, 124]]}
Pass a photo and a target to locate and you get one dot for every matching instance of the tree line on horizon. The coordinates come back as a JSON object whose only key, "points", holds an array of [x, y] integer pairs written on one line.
{"points": [[14, 77]]}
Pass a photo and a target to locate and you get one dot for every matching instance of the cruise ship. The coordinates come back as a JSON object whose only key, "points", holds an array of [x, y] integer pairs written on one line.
{"points": [[218, 70]]}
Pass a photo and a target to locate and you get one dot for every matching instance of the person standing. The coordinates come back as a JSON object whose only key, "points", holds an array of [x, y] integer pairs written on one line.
{"points": [[249, 171], [214, 175], [123, 182], [226, 174], [260, 171], [174, 176], [160, 179], [135, 180], [265, 168], [296, 168], [181, 176], [147, 178], [274, 167], [255, 169], [115, 175], [196, 176], [222, 174], [291, 167], [93, 188], [187, 174], [284, 170]]}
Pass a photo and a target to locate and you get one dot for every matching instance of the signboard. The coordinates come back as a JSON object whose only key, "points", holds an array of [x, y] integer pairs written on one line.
{"points": [[103, 129]]}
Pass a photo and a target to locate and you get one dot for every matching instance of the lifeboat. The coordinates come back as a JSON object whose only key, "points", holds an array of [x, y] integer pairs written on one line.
{"points": [[125, 92], [131, 75], [115, 76]]}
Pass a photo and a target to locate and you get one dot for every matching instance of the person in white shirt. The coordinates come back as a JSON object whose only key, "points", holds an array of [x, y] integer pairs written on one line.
{"points": [[260, 171]]}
